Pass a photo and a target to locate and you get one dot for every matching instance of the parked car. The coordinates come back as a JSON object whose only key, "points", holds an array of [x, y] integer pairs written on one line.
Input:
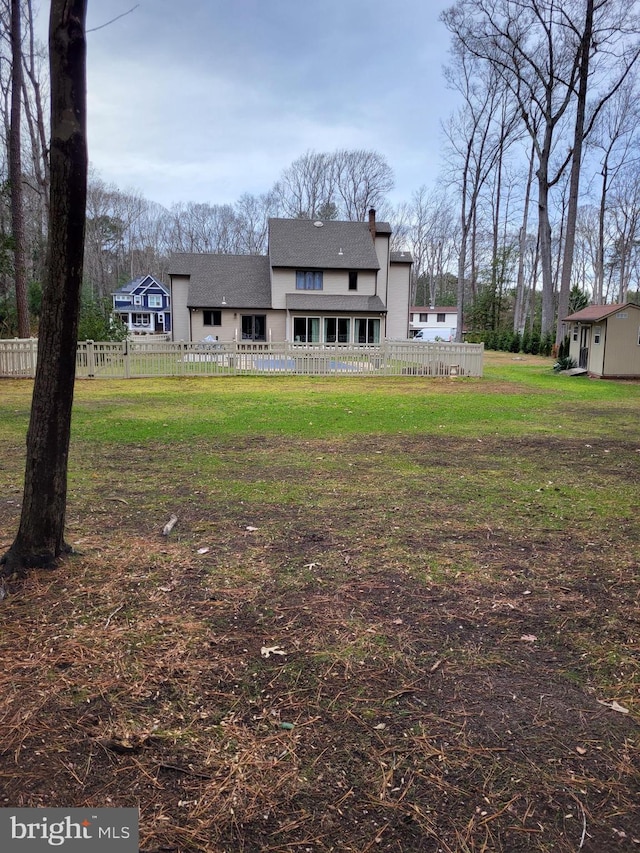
{"points": [[431, 335]]}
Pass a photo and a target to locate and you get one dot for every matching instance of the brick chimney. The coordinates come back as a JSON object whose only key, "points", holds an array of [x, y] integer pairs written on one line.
{"points": [[372, 224]]}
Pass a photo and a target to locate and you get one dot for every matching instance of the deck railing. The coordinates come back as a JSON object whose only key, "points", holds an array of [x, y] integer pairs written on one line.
{"points": [[147, 358]]}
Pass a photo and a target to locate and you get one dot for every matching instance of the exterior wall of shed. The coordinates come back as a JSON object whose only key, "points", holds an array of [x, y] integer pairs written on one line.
{"points": [[621, 349], [398, 300], [618, 353], [179, 310], [334, 283]]}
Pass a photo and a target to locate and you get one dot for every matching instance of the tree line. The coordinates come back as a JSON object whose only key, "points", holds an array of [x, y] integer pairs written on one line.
{"points": [[539, 193]]}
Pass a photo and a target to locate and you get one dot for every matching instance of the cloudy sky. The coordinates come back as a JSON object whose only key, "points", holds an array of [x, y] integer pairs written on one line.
{"points": [[202, 100]]}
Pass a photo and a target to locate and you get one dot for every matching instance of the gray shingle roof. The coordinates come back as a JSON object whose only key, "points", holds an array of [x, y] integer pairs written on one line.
{"points": [[300, 243], [243, 281], [328, 302], [401, 258]]}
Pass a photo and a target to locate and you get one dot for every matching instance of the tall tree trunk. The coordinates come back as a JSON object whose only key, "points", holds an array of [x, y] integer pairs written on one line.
{"points": [[520, 309], [544, 248], [574, 180], [599, 270], [15, 174], [40, 539]]}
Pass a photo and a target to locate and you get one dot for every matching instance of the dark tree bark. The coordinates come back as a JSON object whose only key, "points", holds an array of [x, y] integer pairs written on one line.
{"points": [[40, 539], [15, 173]]}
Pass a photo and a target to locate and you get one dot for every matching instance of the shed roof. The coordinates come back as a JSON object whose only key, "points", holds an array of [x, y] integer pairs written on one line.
{"points": [[242, 281], [327, 244], [595, 313]]}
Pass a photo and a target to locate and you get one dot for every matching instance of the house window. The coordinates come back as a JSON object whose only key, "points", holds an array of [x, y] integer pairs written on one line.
{"points": [[254, 327], [424, 318], [141, 319], [212, 318], [575, 332], [353, 280], [596, 334], [137, 300], [337, 330], [306, 330], [308, 280], [367, 330], [441, 318], [154, 300]]}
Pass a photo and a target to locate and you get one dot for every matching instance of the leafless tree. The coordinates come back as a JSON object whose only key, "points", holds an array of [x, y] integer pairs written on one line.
{"points": [[15, 173], [252, 216], [306, 189], [544, 50], [519, 312], [427, 227], [343, 184], [363, 180], [625, 222], [616, 137], [476, 143], [609, 29]]}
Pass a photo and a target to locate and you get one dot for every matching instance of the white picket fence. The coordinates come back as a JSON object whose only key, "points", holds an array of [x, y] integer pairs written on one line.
{"points": [[149, 358]]}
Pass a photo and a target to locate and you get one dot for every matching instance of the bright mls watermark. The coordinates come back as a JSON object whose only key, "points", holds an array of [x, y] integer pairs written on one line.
{"points": [[79, 830]]}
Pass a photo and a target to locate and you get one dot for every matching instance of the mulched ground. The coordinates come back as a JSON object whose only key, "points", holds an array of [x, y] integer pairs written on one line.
{"points": [[380, 667]]}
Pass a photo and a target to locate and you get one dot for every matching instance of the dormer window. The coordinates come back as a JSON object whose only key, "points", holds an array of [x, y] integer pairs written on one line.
{"points": [[308, 280]]}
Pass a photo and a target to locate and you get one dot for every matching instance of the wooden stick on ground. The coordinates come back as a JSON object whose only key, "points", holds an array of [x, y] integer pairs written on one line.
{"points": [[166, 530]]}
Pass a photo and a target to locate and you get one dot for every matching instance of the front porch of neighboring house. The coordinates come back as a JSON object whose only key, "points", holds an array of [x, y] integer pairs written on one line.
{"points": [[145, 322]]}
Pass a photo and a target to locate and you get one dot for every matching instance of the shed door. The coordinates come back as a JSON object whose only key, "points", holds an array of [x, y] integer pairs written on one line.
{"points": [[583, 359]]}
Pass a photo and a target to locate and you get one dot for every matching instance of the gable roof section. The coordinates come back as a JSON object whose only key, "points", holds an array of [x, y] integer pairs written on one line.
{"points": [[141, 284], [243, 281], [595, 313], [332, 245]]}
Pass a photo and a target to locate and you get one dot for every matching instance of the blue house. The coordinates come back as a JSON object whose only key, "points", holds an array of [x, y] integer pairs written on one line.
{"points": [[144, 305]]}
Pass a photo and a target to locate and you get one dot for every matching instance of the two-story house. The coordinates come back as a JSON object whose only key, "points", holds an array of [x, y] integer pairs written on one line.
{"points": [[144, 305], [320, 282]]}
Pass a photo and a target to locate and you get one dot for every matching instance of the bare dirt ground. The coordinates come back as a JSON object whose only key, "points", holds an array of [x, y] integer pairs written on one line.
{"points": [[407, 658]]}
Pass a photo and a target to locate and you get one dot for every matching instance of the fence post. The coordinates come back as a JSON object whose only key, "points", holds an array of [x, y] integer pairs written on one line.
{"points": [[91, 361], [125, 359]]}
